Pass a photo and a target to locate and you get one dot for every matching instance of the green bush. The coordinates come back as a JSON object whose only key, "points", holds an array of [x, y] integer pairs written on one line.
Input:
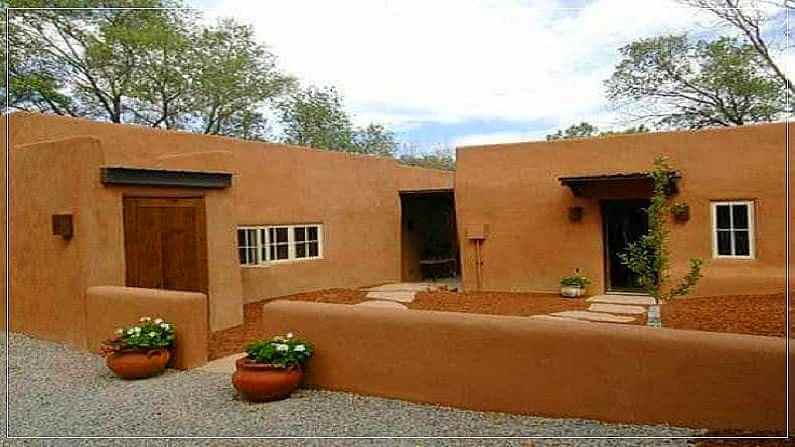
{"points": [[147, 334], [280, 351], [575, 281]]}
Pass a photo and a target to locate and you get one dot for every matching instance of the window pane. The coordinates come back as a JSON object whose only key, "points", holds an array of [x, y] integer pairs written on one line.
{"points": [[273, 253], [241, 238], [281, 252], [740, 215], [300, 250], [264, 252], [252, 255], [312, 233], [300, 234], [313, 249], [724, 243], [281, 235], [242, 253], [723, 219], [742, 246]]}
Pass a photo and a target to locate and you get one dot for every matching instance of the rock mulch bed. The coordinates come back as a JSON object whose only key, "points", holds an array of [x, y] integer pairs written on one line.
{"points": [[56, 391]]}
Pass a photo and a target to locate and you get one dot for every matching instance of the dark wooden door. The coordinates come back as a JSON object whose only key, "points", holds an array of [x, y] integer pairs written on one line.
{"points": [[165, 243], [625, 221]]}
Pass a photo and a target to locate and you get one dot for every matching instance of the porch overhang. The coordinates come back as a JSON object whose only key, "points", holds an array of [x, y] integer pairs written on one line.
{"points": [[632, 183], [122, 175]]}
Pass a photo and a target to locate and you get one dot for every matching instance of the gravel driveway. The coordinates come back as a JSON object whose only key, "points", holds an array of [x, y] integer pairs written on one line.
{"points": [[56, 391]]}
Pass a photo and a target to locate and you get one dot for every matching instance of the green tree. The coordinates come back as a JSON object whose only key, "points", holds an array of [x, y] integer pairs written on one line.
{"points": [[677, 83], [649, 257], [316, 117], [235, 78], [374, 139], [440, 158], [588, 130], [751, 18]]}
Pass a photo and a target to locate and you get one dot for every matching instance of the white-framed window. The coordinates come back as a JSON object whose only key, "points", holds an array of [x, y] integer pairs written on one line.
{"points": [[733, 229], [266, 244]]}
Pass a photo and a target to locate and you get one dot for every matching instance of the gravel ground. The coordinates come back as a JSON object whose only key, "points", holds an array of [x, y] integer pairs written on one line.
{"points": [[56, 391]]}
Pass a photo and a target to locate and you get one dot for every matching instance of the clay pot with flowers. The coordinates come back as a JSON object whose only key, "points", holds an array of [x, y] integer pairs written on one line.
{"points": [[141, 350], [271, 369]]}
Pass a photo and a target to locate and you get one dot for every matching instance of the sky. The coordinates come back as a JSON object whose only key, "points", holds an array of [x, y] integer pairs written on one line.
{"points": [[445, 73]]}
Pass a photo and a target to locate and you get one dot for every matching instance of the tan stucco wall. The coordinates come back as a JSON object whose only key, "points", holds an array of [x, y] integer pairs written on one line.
{"points": [[109, 308], [514, 189], [628, 374], [354, 197]]}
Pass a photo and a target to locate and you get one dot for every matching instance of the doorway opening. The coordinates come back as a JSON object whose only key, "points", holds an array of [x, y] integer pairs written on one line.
{"points": [[625, 221], [429, 239]]}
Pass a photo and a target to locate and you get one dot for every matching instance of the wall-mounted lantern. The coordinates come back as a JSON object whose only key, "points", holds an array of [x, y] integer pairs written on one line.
{"points": [[62, 225], [575, 213]]}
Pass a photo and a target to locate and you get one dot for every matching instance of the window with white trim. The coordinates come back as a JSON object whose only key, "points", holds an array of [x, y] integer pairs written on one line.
{"points": [[259, 245], [733, 229]]}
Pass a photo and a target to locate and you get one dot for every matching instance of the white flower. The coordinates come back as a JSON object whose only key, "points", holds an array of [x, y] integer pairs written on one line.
{"points": [[119, 331], [152, 334], [282, 347], [165, 326], [137, 330], [289, 335], [130, 331], [143, 319], [158, 320], [299, 348]]}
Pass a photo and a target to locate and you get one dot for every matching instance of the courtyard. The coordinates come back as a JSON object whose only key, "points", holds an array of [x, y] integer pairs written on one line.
{"points": [[90, 401]]}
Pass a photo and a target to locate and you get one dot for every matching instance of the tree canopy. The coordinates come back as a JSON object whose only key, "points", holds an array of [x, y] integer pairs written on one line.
{"points": [[677, 83], [587, 130]]}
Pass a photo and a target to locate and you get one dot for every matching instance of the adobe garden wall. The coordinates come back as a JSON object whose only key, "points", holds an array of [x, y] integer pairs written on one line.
{"points": [[531, 244], [628, 374]]}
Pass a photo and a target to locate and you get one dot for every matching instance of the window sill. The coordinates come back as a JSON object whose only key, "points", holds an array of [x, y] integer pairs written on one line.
{"points": [[283, 262]]}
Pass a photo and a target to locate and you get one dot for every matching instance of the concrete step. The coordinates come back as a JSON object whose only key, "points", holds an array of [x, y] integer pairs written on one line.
{"points": [[558, 319], [389, 304], [638, 300], [617, 309], [593, 316], [399, 296], [224, 365]]}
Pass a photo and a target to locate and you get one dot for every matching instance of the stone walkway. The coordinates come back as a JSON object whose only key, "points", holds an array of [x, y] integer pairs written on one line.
{"points": [[394, 294], [608, 309]]}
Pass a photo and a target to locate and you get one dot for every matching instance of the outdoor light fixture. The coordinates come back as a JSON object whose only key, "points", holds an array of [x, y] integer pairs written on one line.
{"points": [[62, 225]]}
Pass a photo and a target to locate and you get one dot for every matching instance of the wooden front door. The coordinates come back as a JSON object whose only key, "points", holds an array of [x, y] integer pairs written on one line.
{"points": [[165, 243]]}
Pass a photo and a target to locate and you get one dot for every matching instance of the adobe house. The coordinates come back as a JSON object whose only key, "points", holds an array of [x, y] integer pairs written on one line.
{"points": [[100, 204], [530, 213]]}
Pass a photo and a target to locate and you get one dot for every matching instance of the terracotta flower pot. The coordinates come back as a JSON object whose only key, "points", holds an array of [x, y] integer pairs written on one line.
{"points": [[259, 382], [138, 364]]}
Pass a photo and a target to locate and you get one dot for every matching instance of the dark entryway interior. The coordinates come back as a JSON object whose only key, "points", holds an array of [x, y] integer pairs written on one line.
{"points": [[164, 243], [625, 221], [429, 242]]}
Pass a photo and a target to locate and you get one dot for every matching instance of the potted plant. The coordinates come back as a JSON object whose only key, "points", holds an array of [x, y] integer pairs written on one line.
{"points": [[140, 351], [574, 286], [271, 369]]}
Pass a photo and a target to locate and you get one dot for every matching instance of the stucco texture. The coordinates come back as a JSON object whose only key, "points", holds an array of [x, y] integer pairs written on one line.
{"points": [[628, 374], [514, 189], [55, 167]]}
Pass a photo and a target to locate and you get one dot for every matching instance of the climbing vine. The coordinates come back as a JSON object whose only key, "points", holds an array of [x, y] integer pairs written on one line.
{"points": [[649, 256]]}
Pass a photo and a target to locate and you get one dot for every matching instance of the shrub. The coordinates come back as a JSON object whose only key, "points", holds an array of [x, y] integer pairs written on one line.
{"points": [[576, 280], [280, 351], [147, 334]]}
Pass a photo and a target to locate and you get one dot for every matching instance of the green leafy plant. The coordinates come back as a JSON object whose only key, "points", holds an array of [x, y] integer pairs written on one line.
{"points": [[280, 351], [576, 280], [148, 334], [649, 256]]}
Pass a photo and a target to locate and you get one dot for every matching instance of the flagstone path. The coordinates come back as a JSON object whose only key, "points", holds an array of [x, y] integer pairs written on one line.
{"points": [[608, 309]]}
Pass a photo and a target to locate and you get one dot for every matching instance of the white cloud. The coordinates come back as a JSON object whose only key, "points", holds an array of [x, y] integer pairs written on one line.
{"points": [[407, 61]]}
